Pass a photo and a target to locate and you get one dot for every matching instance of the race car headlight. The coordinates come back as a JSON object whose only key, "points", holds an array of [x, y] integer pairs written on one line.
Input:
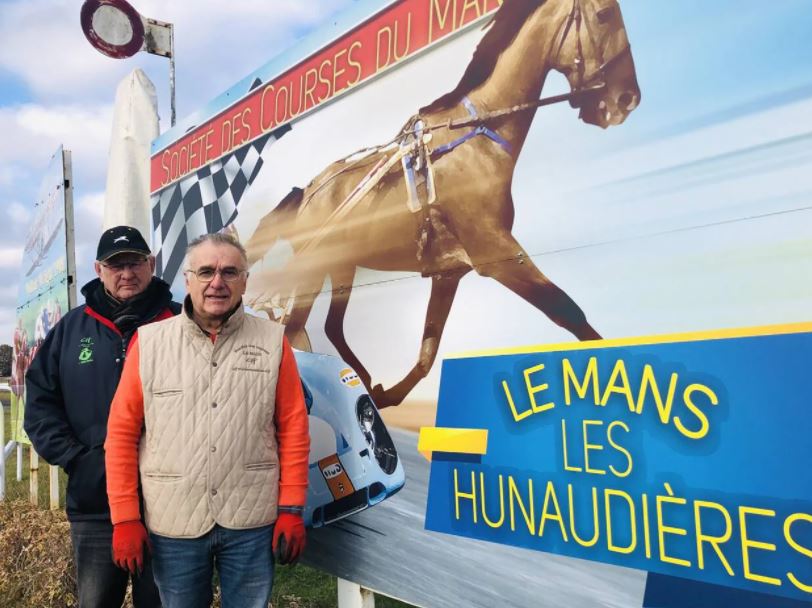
{"points": [[365, 410], [376, 435]]}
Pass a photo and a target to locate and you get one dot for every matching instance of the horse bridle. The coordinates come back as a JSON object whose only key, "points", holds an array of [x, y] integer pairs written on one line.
{"points": [[597, 79], [585, 85]]}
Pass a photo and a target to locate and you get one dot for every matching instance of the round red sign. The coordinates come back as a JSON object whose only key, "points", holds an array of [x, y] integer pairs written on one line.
{"points": [[113, 26]]}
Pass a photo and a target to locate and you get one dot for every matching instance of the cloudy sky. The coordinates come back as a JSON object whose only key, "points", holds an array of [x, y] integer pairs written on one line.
{"points": [[55, 89], [693, 215]]}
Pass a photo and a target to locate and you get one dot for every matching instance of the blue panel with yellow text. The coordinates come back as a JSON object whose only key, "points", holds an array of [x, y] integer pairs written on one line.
{"points": [[686, 456]]}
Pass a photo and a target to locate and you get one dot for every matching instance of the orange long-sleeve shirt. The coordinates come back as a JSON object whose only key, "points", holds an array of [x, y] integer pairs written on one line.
{"points": [[126, 421]]}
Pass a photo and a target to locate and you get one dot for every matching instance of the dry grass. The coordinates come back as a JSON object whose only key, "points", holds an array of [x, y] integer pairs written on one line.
{"points": [[36, 567], [36, 561]]}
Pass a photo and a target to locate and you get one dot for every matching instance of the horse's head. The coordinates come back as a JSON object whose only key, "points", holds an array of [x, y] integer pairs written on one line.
{"points": [[591, 49]]}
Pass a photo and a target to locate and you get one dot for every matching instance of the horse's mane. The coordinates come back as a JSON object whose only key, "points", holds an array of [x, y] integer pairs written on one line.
{"points": [[503, 29]]}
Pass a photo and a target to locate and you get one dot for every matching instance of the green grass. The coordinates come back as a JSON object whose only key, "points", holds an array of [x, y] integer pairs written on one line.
{"points": [[294, 587], [305, 587]]}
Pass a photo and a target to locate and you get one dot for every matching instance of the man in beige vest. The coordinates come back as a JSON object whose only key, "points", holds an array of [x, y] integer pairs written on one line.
{"points": [[210, 412]]}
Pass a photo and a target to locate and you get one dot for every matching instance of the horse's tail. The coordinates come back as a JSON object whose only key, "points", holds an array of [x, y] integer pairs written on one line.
{"points": [[272, 227]]}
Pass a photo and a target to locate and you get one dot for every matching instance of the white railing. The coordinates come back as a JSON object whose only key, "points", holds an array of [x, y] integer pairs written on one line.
{"points": [[33, 480]]}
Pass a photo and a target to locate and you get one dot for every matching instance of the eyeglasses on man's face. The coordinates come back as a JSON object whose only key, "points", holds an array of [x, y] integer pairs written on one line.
{"points": [[123, 265], [207, 274]]}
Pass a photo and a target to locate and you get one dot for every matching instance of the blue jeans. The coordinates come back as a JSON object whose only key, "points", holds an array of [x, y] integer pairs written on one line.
{"points": [[100, 583], [244, 560]]}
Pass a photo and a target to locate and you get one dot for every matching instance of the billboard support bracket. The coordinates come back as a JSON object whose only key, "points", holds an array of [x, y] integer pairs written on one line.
{"points": [[352, 595]]}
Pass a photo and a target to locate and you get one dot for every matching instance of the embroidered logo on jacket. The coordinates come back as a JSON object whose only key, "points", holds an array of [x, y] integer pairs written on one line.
{"points": [[85, 350], [252, 358]]}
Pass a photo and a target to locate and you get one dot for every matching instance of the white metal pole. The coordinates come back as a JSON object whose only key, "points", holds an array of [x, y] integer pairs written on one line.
{"points": [[3, 454], [19, 462], [172, 70], [53, 474], [70, 245], [33, 480]]}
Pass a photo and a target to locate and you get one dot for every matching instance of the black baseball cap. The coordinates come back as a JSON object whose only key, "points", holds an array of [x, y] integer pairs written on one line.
{"points": [[121, 239]]}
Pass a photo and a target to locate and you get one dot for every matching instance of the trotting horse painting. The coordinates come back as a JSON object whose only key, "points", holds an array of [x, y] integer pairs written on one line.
{"points": [[437, 199]]}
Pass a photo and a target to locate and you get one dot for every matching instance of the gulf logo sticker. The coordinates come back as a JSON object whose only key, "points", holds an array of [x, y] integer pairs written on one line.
{"points": [[336, 477], [349, 377]]}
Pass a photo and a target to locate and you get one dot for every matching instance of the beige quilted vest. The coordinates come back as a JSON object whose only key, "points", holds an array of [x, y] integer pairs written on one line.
{"points": [[208, 454]]}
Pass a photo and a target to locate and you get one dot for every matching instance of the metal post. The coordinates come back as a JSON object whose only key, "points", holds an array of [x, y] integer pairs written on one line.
{"points": [[159, 39], [70, 244], [53, 474], [172, 70], [19, 462], [3, 453], [352, 595], [33, 480]]}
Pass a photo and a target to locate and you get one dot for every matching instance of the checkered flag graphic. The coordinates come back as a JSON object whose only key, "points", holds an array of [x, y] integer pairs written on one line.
{"points": [[203, 202]]}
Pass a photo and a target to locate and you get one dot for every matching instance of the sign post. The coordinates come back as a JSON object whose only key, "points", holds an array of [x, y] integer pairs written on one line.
{"points": [[117, 30]]}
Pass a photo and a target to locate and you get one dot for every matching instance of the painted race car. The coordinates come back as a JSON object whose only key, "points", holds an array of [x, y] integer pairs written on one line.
{"points": [[353, 461]]}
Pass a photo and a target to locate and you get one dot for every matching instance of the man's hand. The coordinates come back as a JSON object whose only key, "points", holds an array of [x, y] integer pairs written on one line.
{"points": [[289, 538], [129, 539]]}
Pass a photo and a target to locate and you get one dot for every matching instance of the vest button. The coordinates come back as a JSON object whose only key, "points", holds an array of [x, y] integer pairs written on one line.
{"points": [[214, 404], [214, 492], [213, 449], [214, 363]]}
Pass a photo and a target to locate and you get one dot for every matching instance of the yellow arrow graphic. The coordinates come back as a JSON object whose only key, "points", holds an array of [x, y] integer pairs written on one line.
{"points": [[458, 441]]}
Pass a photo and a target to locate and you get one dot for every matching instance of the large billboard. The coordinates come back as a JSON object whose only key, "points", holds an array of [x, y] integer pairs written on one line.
{"points": [[47, 276], [430, 177]]}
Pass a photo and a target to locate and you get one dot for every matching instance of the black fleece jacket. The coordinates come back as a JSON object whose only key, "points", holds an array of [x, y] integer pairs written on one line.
{"points": [[72, 380]]}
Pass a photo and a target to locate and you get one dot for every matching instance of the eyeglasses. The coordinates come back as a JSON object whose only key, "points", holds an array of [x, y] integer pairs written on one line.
{"points": [[122, 266], [206, 275]]}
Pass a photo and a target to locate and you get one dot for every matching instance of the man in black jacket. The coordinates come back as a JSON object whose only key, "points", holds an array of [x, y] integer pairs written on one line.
{"points": [[70, 385]]}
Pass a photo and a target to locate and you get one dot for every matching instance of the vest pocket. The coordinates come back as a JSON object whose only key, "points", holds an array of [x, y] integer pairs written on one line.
{"points": [[259, 466], [166, 392], [164, 477], [165, 430]]}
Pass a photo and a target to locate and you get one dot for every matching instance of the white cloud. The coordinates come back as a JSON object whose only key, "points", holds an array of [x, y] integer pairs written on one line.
{"points": [[32, 132], [7, 321], [8, 175], [64, 64], [88, 213], [8, 311], [91, 205], [10, 257], [8, 292], [18, 213], [216, 44]]}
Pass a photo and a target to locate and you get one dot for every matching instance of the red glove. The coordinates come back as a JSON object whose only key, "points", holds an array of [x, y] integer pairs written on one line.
{"points": [[129, 539], [289, 538]]}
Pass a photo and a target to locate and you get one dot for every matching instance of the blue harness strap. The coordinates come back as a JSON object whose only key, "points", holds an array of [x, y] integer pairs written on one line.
{"points": [[480, 130], [413, 200]]}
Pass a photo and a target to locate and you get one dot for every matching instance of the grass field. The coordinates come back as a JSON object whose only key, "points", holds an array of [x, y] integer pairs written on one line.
{"points": [[294, 587]]}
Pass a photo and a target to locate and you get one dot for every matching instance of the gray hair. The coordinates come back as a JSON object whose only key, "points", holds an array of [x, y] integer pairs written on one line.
{"points": [[217, 238]]}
